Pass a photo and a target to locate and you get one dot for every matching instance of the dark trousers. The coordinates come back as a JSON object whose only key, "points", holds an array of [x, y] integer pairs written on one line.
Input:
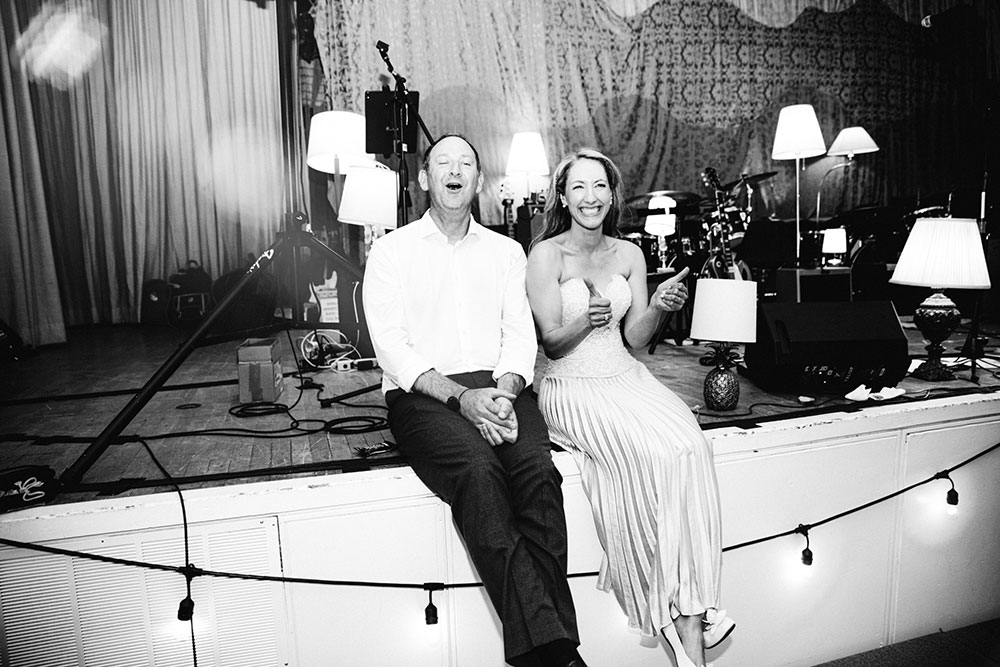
{"points": [[507, 504]]}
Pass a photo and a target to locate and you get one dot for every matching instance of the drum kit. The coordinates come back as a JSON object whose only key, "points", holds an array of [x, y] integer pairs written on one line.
{"points": [[708, 229]]}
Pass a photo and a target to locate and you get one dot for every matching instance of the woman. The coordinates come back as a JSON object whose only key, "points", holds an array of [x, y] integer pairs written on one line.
{"points": [[645, 464]]}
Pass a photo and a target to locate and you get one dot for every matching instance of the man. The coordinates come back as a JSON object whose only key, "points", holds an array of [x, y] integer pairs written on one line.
{"points": [[449, 319]]}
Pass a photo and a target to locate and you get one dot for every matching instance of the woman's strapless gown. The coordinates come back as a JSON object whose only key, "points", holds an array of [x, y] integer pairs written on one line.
{"points": [[646, 467]]}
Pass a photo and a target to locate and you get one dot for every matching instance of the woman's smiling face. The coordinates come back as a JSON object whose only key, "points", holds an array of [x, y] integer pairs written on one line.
{"points": [[588, 194]]}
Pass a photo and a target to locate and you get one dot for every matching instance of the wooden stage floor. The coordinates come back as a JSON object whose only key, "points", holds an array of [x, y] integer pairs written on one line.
{"points": [[56, 400]]}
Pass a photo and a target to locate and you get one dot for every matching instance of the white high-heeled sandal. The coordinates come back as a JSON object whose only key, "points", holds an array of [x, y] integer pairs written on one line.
{"points": [[673, 640], [718, 626]]}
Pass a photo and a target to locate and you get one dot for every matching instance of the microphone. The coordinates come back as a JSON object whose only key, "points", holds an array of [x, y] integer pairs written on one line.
{"points": [[957, 17], [383, 47]]}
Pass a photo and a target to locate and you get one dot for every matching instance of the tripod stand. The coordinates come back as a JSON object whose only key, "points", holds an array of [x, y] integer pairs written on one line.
{"points": [[288, 241]]}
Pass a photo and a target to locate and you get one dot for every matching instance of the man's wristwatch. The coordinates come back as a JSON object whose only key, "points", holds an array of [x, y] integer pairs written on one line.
{"points": [[455, 402]]}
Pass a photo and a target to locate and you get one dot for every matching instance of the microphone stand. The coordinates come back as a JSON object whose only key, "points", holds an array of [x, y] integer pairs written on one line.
{"points": [[400, 120]]}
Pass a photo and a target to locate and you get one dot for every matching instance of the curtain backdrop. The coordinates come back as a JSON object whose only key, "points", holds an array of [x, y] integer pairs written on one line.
{"points": [[29, 293], [670, 87], [168, 148]]}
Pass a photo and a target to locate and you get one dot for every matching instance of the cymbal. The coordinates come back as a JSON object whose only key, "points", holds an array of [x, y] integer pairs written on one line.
{"points": [[640, 203], [749, 180]]}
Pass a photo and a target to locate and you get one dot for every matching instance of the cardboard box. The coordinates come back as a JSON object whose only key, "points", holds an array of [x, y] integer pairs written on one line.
{"points": [[260, 376], [258, 349]]}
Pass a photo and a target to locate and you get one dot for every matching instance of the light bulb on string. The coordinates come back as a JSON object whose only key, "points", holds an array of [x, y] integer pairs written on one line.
{"points": [[952, 496], [430, 611], [807, 554]]}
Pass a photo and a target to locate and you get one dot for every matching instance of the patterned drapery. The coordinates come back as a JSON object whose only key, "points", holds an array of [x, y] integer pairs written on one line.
{"points": [[668, 88]]}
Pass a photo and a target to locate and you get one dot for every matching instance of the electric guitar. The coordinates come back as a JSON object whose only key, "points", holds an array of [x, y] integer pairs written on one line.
{"points": [[721, 263]]}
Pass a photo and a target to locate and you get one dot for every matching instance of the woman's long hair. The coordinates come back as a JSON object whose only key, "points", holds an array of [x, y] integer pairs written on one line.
{"points": [[557, 217]]}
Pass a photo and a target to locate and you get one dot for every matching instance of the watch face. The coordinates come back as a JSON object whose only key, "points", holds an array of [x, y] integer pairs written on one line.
{"points": [[454, 403]]}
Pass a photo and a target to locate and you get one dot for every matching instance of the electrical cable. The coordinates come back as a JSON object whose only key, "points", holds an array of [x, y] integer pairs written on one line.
{"points": [[191, 571], [185, 611]]}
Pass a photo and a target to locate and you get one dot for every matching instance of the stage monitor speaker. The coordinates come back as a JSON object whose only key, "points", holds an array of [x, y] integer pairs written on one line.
{"points": [[830, 347], [827, 284]]}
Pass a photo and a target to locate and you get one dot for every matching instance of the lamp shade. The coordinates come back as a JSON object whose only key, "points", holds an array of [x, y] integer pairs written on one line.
{"points": [[337, 135], [661, 224], [852, 141], [834, 241], [798, 134], [725, 310], [943, 252], [527, 155], [370, 195]]}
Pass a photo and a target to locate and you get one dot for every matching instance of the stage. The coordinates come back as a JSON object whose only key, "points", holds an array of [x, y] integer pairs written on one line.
{"points": [[356, 541]]}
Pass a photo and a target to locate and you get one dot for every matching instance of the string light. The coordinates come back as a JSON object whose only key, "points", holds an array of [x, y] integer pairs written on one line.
{"points": [[807, 554], [185, 611], [952, 496], [431, 612]]}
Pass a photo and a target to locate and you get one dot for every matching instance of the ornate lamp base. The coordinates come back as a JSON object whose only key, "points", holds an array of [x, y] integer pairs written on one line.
{"points": [[936, 317], [722, 389]]}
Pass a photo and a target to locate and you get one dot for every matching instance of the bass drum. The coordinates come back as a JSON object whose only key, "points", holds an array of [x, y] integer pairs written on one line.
{"points": [[649, 246]]}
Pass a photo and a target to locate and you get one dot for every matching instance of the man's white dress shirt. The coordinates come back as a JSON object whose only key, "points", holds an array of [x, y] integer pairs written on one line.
{"points": [[455, 308]]}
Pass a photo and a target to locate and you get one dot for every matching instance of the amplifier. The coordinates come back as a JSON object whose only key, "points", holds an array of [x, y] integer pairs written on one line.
{"points": [[830, 347]]}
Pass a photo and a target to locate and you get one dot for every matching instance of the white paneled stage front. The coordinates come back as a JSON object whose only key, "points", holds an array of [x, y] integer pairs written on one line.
{"points": [[362, 546]]}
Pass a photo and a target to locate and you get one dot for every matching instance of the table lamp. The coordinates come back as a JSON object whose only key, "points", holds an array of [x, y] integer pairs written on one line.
{"points": [[850, 142], [940, 253], [370, 194], [834, 246], [725, 313], [336, 142], [797, 136], [527, 157], [661, 225]]}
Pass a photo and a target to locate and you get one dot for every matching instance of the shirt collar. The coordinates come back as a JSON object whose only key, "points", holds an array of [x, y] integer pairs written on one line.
{"points": [[427, 228]]}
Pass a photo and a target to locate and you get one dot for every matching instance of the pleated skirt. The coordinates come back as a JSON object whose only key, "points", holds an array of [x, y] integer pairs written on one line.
{"points": [[648, 472]]}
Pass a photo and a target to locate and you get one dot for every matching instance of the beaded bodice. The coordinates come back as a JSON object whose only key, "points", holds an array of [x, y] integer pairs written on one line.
{"points": [[602, 353]]}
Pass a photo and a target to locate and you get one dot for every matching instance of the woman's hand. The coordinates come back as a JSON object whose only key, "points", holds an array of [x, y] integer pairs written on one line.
{"points": [[599, 308], [671, 294]]}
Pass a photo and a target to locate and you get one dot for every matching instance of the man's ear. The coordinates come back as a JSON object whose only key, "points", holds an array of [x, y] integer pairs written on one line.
{"points": [[422, 179], [479, 183]]}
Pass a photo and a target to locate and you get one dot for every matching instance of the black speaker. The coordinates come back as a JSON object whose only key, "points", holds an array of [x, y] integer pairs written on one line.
{"points": [[828, 284], [830, 347]]}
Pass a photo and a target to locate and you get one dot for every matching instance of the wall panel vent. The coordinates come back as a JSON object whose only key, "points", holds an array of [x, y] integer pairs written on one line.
{"points": [[58, 611]]}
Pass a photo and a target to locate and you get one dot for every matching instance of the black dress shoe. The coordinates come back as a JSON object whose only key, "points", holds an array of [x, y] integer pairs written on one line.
{"points": [[576, 662]]}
